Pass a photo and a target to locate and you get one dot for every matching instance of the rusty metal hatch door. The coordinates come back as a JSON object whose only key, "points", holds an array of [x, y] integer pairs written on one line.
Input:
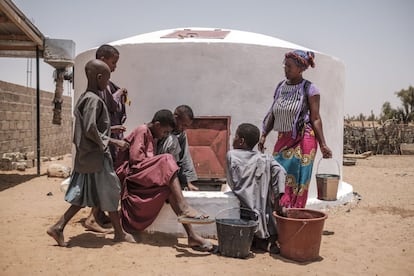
{"points": [[208, 140]]}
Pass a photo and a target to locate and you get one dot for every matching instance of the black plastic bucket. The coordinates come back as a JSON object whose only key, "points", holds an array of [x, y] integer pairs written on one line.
{"points": [[235, 231]]}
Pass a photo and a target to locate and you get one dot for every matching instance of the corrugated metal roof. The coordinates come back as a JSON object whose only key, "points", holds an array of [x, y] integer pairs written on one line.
{"points": [[18, 36]]}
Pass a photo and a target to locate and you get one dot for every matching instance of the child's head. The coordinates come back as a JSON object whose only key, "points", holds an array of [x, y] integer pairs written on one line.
{"points": [[247, 136], [162, 123], [109, 55], [98, 74], [184, 117]]}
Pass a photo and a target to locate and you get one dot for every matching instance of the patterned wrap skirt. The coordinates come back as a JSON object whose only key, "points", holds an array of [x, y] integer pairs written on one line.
{"points": [[297, 157]]}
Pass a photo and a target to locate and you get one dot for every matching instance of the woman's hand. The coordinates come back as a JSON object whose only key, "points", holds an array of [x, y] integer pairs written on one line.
{"points": [[326, 151], [261, 143]]}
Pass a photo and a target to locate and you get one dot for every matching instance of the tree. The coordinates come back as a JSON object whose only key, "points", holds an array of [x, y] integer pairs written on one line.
{"points": [[407, 100], [387, 112], [361, 117], [372, 116]]}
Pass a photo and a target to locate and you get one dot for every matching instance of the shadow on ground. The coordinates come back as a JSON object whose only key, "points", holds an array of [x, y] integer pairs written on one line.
{"points": [[10, 180]]}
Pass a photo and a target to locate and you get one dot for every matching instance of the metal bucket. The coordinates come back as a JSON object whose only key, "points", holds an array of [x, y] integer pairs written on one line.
{"points": [[327, 183]]}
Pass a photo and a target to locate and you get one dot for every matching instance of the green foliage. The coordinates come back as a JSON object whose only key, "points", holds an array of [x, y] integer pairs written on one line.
{"points": [[403, 114], [407, 101], [388, 112], [361, 117], [371, 117]]}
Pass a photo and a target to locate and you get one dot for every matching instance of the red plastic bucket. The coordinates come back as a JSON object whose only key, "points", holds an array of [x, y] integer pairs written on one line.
{"points": [[300, 233]]}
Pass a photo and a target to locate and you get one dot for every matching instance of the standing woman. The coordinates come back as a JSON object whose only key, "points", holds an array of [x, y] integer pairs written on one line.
{"points": [[294, 114]]}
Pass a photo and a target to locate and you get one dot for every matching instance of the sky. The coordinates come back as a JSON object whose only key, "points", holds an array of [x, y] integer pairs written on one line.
{"points": [[373, 38]]}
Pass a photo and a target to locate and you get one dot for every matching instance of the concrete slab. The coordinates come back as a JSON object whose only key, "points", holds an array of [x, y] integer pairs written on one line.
{"points": [[213, 202], [207, 202]]}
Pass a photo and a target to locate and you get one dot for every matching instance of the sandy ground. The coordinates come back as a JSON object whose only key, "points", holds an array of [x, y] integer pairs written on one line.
{"points": [[372, 236]]}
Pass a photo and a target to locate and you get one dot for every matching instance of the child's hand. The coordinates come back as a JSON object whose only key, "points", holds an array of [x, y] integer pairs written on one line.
{"points": [[121, 92], [122, 144], [260, 145], [118, 129]]}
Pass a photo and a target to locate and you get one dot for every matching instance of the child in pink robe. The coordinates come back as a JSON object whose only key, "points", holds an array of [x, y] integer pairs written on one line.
{"points": [[148, 180]]}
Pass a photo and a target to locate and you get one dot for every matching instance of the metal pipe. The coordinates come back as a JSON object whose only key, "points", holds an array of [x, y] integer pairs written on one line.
{"points": [[37, 111]]}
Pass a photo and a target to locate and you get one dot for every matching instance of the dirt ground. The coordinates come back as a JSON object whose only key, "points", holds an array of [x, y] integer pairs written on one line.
{"points": [[370, 236]]}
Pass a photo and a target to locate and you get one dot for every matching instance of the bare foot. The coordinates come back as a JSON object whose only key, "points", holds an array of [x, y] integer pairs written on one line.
{"points": [[57, 235], [274, 249], [92, 225], [190, 212], [199, 244], [196, 241], [192, 187], [102, 218], [125, 237]]}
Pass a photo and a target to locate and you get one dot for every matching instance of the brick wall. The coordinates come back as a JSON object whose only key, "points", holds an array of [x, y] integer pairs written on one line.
{"points": [[18, 122]]}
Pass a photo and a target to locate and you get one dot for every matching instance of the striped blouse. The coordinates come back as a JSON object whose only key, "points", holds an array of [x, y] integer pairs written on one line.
{"points": [[289, 107]]}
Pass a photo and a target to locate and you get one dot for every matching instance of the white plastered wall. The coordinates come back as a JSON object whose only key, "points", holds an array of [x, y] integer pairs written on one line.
{"points": [[235, 76]]}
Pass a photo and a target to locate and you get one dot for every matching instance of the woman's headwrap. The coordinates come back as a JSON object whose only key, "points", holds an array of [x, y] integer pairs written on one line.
{"points": [[302, 58]]}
